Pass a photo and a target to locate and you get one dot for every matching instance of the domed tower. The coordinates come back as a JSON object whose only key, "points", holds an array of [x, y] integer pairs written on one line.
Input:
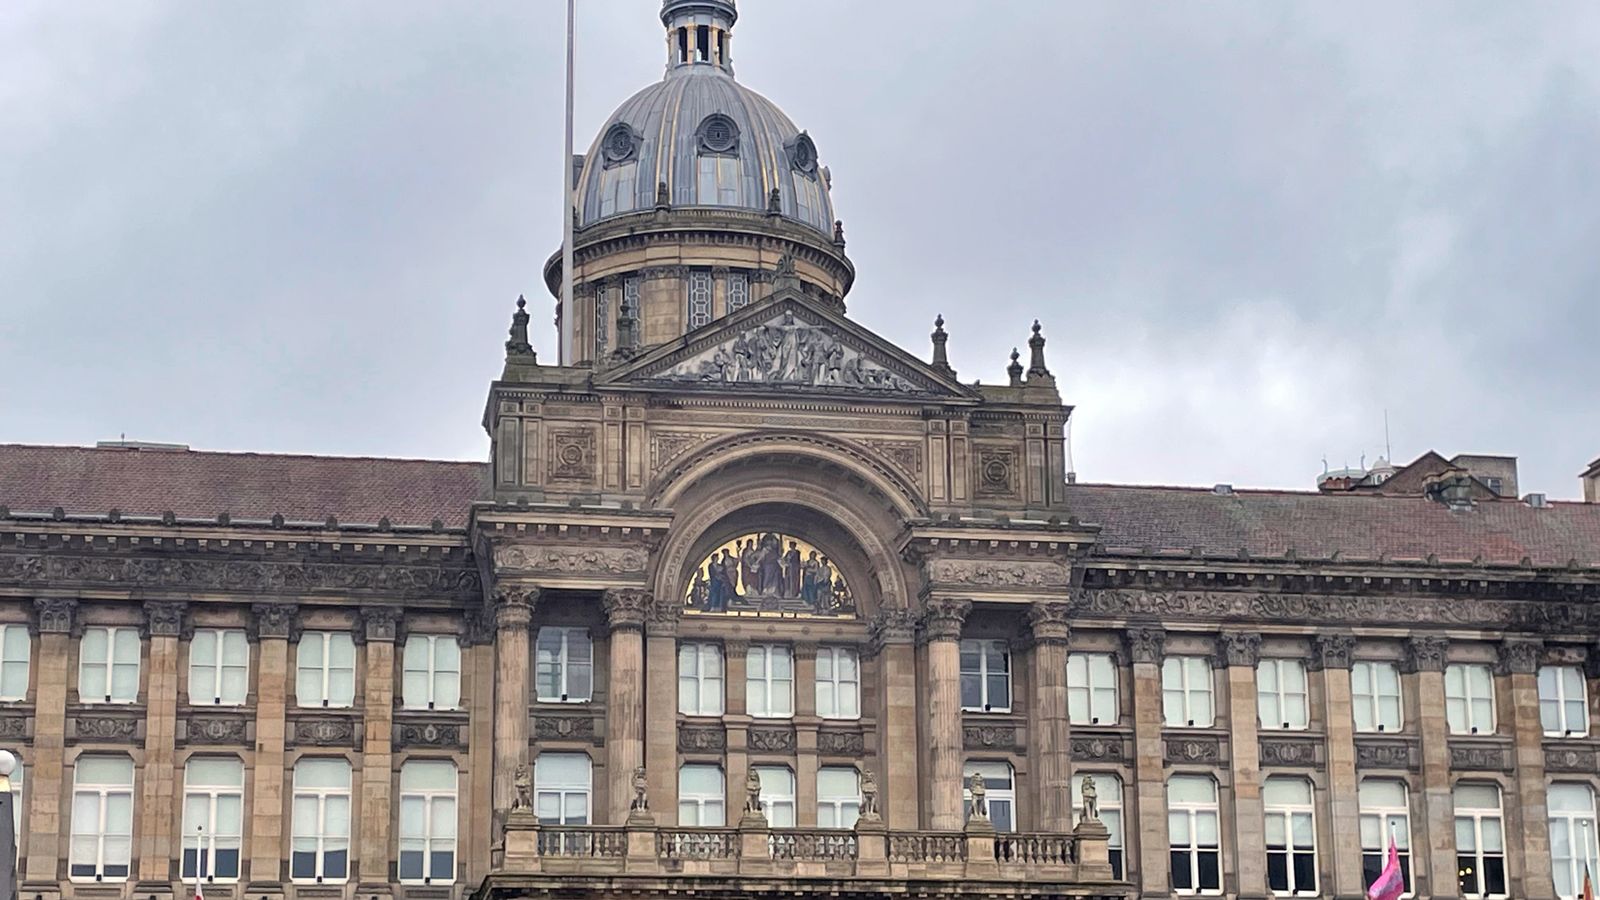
{"points": [[688, 200]]}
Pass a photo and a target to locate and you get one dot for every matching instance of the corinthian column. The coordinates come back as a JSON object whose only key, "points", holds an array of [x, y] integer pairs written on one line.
{"points": [[1146, 648], [892, 645], [1425, 656], [1049, 734], [1332, 656], [626, 610], [513, 614], [941, 639], [661, 707], [1519, 660]]}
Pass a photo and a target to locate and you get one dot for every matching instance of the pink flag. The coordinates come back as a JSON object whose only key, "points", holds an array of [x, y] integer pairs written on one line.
{"points": [[1391, 883]]}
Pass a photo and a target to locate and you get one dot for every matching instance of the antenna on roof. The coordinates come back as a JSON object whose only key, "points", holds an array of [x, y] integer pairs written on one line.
{"points": [[1388, 449]]}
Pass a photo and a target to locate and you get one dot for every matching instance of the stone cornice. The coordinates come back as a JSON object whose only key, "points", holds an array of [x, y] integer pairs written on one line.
{"points": [[1179, 570], [1217, 607]]}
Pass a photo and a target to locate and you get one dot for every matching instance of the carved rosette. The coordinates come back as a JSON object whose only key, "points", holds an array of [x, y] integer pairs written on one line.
{"points": [[942, 619], [1241, 648], [380, 624], [666, 613], [1147, 645], [1520, 657], [891, 626], [275, 620], [1426, 653], [162, 619], [626, 608], [1049, 621], [55, 615], [1333, 651]]}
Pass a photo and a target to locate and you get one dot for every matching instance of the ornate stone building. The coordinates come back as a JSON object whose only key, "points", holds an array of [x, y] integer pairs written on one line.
{"points": [[749, 601]]}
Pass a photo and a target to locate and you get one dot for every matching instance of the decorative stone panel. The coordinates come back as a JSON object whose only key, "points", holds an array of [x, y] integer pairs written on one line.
{"points": [[215, 730], [997, 472], [989, 737], [841, 743], [1301, 752], [13, 727], [1193, 750], [1390, 754], [429, 734], [702, 740], [105, 728], [572, 455], [572, 560], [323, 732], [771, 740], [1570, 759], [563, 728], [1099, 748], [1482, 757]]}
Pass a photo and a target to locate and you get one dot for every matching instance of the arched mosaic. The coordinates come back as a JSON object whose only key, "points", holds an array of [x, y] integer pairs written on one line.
{"points": [[768, 573]]}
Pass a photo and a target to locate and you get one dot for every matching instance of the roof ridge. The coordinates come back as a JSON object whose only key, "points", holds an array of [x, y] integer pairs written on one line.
{"points": [[248, 454]]}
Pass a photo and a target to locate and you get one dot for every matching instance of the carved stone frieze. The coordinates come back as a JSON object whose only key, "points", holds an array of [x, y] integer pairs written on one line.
{"points": [[572, 455], [429, 734], [1223, 606], [52, 615], [942, 618], [1095, 748], [1426, 653], [1571, 759], [105, 728], [1049, 621], [841, 743], [54, 570], [570, 560], [563, 728], [1375, 754], [217, 730], [1291, 752], [1146, 644], [626, 608], [708, 739], [1180, 750], [1241, 648], [989, 737], [163, 619], [771, 740], [323, 732], [1332, 651], [1482, 757], [1001, 573]]}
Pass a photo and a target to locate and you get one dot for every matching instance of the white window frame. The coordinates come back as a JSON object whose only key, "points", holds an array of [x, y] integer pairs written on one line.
{"points": [[547, 785], [1381, 821], [324, 841], [778, 800], [1472, 818], [1562, 704], [1574, 826], [1287, 699], [1092, 689], [15, 666], [841, 687], [840, 807], [1374, 699], [987, 649], [18, 804], [992, 773], [759, 670], [1463, 702], [1108, 787], [111, 662], [208, 836], [323, 671], [1194, 812], [430, 799], [207, 682], [564, 664], [102, 831], [1286, 815], [710, 808], [703, 674], [420, 656], [1185, 679]]}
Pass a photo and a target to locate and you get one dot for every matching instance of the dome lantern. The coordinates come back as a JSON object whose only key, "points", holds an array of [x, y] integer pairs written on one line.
{"points": [[699, 32]]}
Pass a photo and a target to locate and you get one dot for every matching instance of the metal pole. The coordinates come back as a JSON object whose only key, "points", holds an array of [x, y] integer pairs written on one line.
{"points": [[568, 313]]}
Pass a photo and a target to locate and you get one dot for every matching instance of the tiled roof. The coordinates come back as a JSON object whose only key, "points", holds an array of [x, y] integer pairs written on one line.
{"points": [[1355, 526], [191, 484]]}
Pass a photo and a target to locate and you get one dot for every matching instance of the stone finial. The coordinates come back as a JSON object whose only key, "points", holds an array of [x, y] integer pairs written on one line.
{"points": [[1241, 648], [663, 196], [1147, 645], [775, 202], [941, 360], [1015, 369], [518, 346], [838, 233], [1036, 366]]}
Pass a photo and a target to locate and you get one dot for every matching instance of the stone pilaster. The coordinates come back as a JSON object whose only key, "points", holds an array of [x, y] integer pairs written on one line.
{"points": [[1241, 651], [513, 616], [1049, 733], [892, 645], [1425, 660], [477, 635], [736, 659], [626, 611], [941, 637], [661, 708], [379, 628], [806, 725], [55, 621], [163, 624], [275, 625], [1332, 656], [1519, 662], [1146, 649]]}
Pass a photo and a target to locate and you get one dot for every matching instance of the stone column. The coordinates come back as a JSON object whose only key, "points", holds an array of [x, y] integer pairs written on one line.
{"points": [[1049, 734], [378, 629], [1241, 651], [661, 708], [1425, 657], [1146, 650], [941, 637], [1519, 660], [163, 623], [54, 623], [1332, 655], [736, 653], [513, 616], [892, 644], [806, 725], [476, 633], [626, 610], [275, 625]]}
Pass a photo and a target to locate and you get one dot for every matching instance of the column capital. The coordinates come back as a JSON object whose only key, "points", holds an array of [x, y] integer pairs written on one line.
{"points": [[1241, 648], [1520, 656], [1049, 620], [1426, 653], [805, 650], [275, 620], [164, 619], [516, 595], [735, 646], [1147, 644], [55, 615], [476, 628], [891, 625], [378, 624], [626, 608], [666, 613], [1332, 651], [942, 619]]}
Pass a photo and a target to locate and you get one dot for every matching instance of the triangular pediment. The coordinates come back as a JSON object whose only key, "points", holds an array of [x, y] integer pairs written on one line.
{"points": [[787, 343]]}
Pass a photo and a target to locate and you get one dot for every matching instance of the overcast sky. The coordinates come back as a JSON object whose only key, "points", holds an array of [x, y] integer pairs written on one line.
{"points": [[1248, 228]]}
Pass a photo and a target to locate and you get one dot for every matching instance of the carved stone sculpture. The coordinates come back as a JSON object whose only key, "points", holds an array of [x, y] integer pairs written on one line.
{"points": [[641, 791], [1091, 800], [522, 779]]}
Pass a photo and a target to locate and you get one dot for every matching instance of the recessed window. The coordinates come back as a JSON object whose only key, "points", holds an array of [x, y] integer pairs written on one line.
{"points": [[1281, 694], [320, 845], [108, 665], [213, 818], [561, 785], [1108, 789], [325, 663], [838, 797], [1375, 696], [1385, 816], [1187, 700], [777, 795], [1291, 836], [985, 676], [1194, 833], [431, 677], [769, 681], [699, 299], [1480, 840], [719, 134], [102, 818], [1572, 836], [700, 679], [219, 667], [738, 291], [428, 822], [1469, 699], [1000, 785], [838, 683], [16, 646], [702, 796], [1563, 701], [564, 667], [1091, 689]]}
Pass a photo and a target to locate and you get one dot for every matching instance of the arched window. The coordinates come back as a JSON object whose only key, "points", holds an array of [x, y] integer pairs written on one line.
{"points": [[1480, 840], [213, 818], [1108, 789], [1572, 836], [1195, 834], [427, 822], [320, 850], [1291, 836], [1385, 816]]}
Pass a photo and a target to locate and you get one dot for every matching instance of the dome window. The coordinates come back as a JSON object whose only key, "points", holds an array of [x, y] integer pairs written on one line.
{"points": [[802, 155], [621, 144], [719, 135]]}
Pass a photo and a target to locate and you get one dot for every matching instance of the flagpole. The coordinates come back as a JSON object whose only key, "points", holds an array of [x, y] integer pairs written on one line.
{"points": [[568, 315]]}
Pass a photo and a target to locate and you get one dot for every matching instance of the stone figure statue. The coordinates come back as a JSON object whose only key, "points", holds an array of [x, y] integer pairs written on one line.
{"points": [[869, 795], [641, 791], [752, 793], [980, 805], [522, 780], [1091, 800]]}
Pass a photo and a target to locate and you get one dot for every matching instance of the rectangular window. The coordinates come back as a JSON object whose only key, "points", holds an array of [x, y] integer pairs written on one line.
{"points": [[1001, 786], [325, 669], [1281, 695], [777, 795], [701, 796], [1563, 701], [219, 667], [561, 788], [1375, 696], [838, 797], [1091, 689], [16, 646], [700, 679], [213, 818], [564, 665], [1108, 788], [102, 818], [1572, 836], [985, 676], [838, 683], [1469, 699], [1385, 814], [108, 665], [320, 848], [602, 319], [1186, 694], [769, 681], [738, 291], [1480, 841], [431, 677], [428, 822], [630, 307], [1291, 837], [699, 299], [1194, 835]]}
